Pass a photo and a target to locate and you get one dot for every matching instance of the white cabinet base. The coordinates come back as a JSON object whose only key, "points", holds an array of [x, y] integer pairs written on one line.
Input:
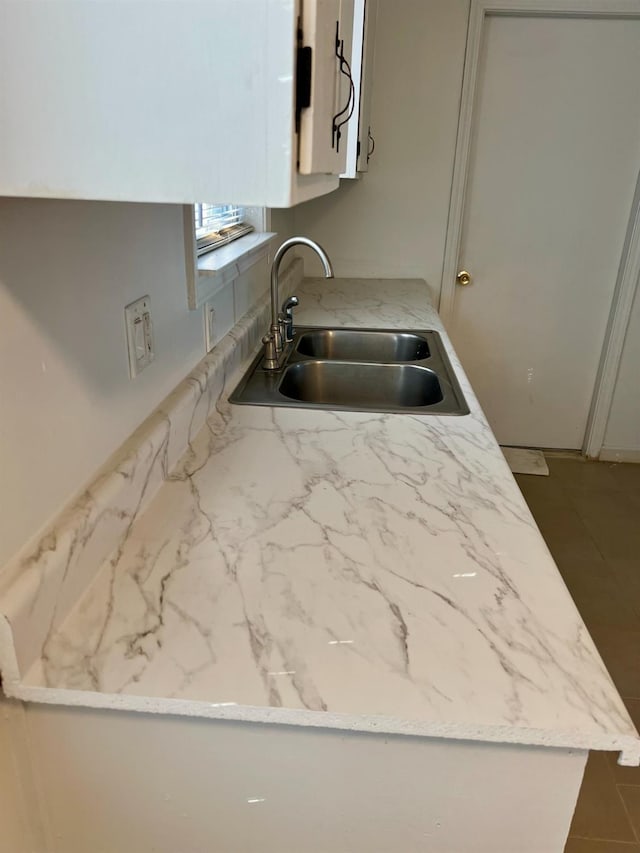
{"points": [[118, 782]]}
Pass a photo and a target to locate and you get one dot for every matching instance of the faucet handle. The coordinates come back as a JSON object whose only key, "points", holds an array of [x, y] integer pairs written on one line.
{"points": [[289, 304], [286, 316]]}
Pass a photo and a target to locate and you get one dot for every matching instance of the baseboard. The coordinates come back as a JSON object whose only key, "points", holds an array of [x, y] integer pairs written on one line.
{"points": [[619, 454]]}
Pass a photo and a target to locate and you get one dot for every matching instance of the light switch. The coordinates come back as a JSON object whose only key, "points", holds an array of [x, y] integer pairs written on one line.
{"points": [[139, 335], [209, 326]]}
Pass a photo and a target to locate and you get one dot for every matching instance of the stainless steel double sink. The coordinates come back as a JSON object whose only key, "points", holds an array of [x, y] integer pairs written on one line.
{"points": [[358, 370]]}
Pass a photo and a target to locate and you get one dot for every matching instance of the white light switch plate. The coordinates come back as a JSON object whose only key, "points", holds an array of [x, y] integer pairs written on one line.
{"points": [[139, 335], [209, 326]]}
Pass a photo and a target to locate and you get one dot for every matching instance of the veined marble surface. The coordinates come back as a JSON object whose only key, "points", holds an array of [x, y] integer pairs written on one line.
{"points": [[43, 582], [363, 571]]}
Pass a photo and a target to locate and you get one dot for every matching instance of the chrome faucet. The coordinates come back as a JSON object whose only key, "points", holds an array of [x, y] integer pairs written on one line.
{"points": [[281, 329]]}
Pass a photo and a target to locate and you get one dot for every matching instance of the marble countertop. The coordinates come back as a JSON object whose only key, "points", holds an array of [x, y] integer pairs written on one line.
{"points": [[376, 572]]}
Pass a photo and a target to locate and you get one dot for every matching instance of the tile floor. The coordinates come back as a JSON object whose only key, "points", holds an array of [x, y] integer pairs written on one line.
{"points": [[589, 515]]}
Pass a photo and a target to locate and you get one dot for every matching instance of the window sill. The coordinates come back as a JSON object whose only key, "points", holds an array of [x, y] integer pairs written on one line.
{"points": [[217, 268]]}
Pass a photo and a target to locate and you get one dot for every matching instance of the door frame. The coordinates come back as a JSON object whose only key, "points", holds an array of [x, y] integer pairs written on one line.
{"points": [[629, 269]]}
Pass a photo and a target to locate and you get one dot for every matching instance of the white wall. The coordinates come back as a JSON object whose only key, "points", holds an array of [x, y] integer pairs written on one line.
{"points": [[281, 221], [393, 221], [67, 269], [623, 430]]}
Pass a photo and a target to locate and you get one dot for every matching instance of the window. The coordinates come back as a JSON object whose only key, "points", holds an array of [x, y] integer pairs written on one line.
{"points": [[218, 224], [213, 226]]}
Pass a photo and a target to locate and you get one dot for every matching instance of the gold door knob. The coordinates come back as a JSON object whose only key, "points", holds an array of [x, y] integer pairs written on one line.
{"points": [[464, 278]]}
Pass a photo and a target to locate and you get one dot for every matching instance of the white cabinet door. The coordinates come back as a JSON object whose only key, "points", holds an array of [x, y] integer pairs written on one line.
{"points": [[366, 142], [137, 100], [327, 27], [360, 139]]}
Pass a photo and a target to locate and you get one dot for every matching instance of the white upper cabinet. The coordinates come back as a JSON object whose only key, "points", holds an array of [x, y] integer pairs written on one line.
{"points": [[174, 101]]}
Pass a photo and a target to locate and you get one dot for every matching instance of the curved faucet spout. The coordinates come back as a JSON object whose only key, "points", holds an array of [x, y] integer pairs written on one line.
{"points": [[275, 273]]}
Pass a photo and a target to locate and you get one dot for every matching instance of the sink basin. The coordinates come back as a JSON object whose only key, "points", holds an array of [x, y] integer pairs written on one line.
{"points": [[363, 345], [363, 385], [358, 370]]}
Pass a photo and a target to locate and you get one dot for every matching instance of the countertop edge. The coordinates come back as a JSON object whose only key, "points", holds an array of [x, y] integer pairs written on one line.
{"points": [[628, 747]]}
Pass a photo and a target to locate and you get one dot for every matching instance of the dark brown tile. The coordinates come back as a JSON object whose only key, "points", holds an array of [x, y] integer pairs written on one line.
{"points": [[601, 601], [620, 651], [541, 492], [577, 473], [611, 518], [600, 813], [578, 572], [592, 504], [589, 845], [627, 573], [566, 534], [626, 477], [631, 798], [623, 775], [616, 539]]}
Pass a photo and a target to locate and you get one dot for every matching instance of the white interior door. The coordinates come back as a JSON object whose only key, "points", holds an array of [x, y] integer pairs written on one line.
{"points": [[554, 159]]}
